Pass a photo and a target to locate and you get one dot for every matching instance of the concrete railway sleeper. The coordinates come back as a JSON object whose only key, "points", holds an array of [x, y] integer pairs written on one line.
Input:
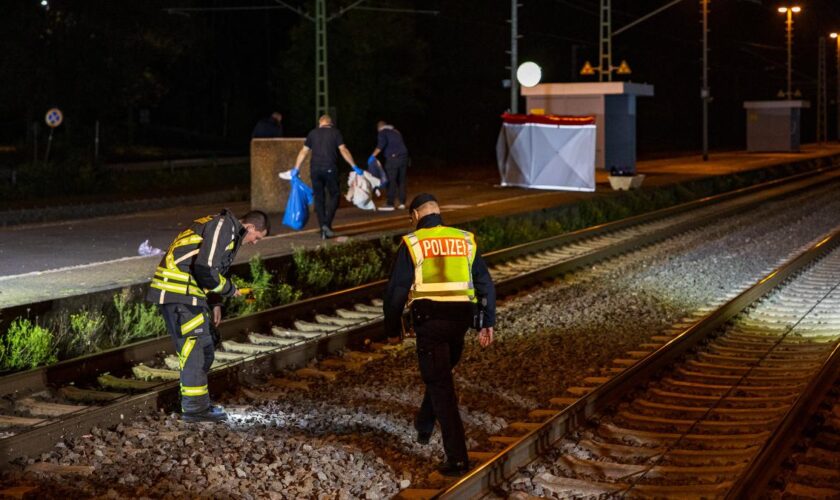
{"points": [[702, 416]]}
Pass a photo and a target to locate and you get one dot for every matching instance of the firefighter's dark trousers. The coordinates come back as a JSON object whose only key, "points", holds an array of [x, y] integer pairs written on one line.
{"points": [[189, 327], [440, 329]]}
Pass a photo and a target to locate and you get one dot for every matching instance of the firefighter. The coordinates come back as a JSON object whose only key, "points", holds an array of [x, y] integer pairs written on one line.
{"points": [[439, 273], [191, 277]]}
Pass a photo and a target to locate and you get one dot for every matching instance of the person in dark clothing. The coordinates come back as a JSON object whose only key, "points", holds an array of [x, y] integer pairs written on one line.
{"points": [[325, 143], [189, 282], [271, 126], [444, 297], [390, 143]]}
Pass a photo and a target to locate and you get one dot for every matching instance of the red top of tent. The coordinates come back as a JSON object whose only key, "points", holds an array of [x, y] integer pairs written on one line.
{"points": [[549, 119]]}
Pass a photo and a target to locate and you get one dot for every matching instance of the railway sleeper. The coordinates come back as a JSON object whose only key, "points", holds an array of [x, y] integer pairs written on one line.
{"points": [[817, 455], [774, 354], [274, 340], [814, 473], [144, 372], [681, 398], [285, 383], [620, 471], [368, 308], [783, 346], [694, 387], [704, 441], [335, 320], [306, 326], [791, 339], [575, 488], [768, 359], [794, 371], [363, 357], [648, 407], [173, 363], [248, 349], [314, 373], [742, 380], [109, 381], [59, 470], [680, 456], [72, 393], [652, 422], [228, 357], [297, 334], [357, 315], [798, 490], [341, 364], [11, 421]]}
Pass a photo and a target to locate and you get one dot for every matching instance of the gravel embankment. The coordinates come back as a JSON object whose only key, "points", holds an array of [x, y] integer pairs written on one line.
{"points": [[355, 437]]}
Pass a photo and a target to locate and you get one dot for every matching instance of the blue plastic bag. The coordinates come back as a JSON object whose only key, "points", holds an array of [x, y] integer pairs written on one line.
{"points": [[297, 208]]}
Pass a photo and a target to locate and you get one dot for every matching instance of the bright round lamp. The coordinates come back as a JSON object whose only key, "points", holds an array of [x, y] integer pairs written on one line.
{"points": [[528, 74]]}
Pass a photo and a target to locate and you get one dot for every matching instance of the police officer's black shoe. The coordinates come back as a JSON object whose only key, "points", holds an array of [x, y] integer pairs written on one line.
{"points": [[453, 469], [423, 437], [327, 233], [212, 414]]}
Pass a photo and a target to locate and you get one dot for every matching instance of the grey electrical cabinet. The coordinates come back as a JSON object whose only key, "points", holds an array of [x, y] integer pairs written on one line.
{"points": [[774, 125]]}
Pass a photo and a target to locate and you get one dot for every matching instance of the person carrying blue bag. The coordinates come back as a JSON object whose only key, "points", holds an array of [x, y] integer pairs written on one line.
{"points": [[297, 208], [325, 143]]}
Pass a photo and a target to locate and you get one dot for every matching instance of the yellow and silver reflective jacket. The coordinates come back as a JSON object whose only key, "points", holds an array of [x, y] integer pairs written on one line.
{"points": [[196, 262]]}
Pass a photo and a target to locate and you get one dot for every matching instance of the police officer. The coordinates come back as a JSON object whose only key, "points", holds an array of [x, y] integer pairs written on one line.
{"points": [[439, 273], [191, 273]]}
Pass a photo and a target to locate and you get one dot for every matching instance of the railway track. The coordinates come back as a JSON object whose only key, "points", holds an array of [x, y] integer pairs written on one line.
{"points": [[708, 413], [66, 399]]}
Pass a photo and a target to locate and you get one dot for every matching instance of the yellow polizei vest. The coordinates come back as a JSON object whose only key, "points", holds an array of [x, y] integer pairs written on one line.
{"points": [[443, 258]]}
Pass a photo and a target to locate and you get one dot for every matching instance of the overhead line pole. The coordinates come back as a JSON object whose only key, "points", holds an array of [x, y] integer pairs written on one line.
{"points": [[514, 56]]}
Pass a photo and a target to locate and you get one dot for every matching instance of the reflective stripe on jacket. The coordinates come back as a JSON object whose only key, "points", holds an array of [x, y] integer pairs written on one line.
{"points": [[196, 261], [443, 258]]}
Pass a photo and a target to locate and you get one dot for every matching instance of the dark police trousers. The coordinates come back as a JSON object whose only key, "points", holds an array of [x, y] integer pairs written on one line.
{"points": [[325, 179], [189, 327], [395, 169], [440, 329]]}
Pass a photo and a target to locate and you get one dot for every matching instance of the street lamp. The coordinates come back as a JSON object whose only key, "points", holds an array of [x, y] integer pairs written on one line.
{"points": [[790, 11], [837, 99]]}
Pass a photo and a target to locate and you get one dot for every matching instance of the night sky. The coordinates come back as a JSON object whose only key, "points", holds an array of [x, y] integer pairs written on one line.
{"points": [[202, 80]]}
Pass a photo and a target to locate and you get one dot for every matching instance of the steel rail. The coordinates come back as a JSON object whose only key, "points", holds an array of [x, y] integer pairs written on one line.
{"points": [[535, 443], [165, 395]]}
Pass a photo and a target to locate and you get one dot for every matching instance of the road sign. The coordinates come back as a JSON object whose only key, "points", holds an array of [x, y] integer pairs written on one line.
{"points": [[54, 117]]}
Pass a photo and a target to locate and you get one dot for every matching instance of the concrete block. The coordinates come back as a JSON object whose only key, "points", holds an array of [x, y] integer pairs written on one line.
{"points": [[269, 157]]}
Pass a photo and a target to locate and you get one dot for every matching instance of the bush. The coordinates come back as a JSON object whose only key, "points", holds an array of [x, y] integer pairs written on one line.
{"points": [[265, 292], [26, 345], [78, 333], [133, 321]]}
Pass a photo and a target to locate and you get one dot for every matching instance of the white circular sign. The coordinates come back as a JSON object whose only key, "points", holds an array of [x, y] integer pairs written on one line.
{"points": [[528, 74], [54, 117]]}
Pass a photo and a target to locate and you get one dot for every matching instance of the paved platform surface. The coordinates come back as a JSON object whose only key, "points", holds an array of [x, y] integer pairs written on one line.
{"points": [[53, 260]]}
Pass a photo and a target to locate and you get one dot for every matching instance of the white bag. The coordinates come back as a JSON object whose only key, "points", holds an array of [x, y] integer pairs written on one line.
{"points": [[360, 189]]}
